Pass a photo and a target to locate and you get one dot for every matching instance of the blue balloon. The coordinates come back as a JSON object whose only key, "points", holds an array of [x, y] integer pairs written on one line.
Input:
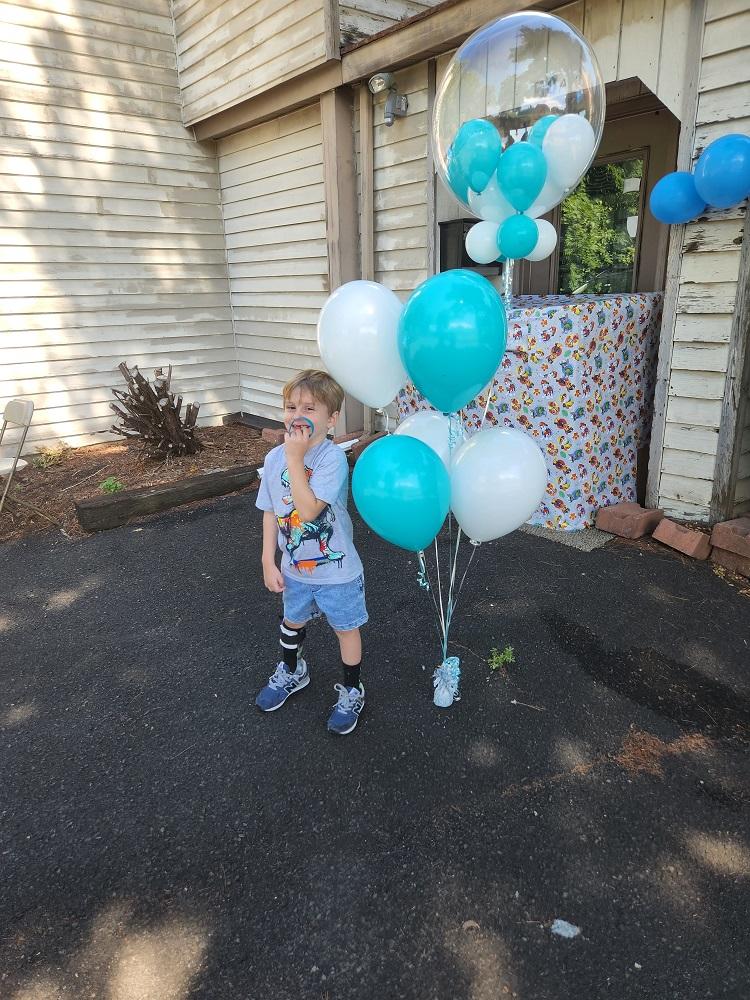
{"points": [[521, 174], [674, 198], [517, 236], [451, 337], [402, 490], [539, 129], [722, 173], [473, 156]]}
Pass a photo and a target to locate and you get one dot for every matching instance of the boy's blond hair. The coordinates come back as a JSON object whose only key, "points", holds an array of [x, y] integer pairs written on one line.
{"points": [[321, 387]]}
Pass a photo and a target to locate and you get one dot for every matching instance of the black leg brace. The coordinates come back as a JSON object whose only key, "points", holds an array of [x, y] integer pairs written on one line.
{"points": [[291, 640], [351, 674]]}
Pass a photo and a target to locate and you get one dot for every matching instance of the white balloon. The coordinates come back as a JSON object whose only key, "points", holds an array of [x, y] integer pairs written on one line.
{"points": [[546, 242], [498, 479], [433, 429], [358, 341], [550, 195], [481, 242], [569, 146], [491, 204]]}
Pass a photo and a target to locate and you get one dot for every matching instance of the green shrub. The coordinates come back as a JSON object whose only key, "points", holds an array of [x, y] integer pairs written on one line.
{"points": [[111, 485]]}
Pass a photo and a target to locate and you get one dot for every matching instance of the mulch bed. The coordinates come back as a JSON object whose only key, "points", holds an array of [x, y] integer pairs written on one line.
{"points": [[42, 498]]}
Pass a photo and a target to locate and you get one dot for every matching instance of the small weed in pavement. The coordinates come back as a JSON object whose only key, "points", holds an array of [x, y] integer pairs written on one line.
{"points": [[498, 661]]}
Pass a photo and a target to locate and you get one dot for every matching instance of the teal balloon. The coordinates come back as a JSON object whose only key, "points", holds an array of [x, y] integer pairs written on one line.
{"points": [[451, 337], [458, 183], [402, 490], [539, 129], [474, 156], [521, 174], [517, 236]]}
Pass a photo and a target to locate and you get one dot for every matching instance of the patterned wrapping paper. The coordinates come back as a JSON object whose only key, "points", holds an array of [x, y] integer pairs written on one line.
{"points": [[579, 376]]}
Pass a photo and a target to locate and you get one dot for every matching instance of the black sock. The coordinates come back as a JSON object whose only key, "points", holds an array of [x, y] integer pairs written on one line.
{"points": [[351, 674], [291, 640]]}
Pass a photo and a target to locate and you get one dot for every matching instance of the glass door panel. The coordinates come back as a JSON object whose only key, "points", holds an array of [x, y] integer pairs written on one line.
{"points": [[600, 225]]}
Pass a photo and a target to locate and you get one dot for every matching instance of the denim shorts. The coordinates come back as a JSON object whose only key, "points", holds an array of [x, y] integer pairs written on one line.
{"points": [[343, 604]]}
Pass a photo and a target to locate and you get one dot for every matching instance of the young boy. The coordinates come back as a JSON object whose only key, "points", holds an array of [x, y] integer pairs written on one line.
{"points": [[303, 494]]}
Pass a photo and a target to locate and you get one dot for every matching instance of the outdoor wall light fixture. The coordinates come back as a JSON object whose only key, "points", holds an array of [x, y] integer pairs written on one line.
{"points": [[396, 105]]}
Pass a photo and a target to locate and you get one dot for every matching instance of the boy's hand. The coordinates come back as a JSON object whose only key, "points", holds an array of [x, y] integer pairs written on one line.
{"points": [[273, 578], [297, 442]]}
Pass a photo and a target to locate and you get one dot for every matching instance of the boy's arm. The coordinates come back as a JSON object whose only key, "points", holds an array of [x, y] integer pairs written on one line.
{"points": [[272, 576], [306, 503]]}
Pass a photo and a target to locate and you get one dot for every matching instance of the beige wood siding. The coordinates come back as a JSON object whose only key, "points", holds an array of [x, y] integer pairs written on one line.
{"points": [[637, 38], [233, 50], [274, 214], [111, 236], [402, 188], [631, 38], [362, 18], [707, 282]]}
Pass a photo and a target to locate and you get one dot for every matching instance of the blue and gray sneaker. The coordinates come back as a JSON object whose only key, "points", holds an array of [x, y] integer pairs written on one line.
{"points": [[346, 712], [281, 684]]}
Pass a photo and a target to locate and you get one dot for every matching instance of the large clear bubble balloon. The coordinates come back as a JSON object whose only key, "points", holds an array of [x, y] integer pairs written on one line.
{"points": [[533, 78]]}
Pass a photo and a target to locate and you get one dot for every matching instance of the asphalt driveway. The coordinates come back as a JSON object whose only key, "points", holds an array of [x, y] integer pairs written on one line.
{"points": [[161, 839]]}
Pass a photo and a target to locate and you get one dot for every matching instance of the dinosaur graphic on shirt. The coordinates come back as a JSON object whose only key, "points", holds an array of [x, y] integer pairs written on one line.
{"points": [[296, 531]]}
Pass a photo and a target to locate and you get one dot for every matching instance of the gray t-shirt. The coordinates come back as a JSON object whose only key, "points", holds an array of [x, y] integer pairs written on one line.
{"points": [[319, 551]]}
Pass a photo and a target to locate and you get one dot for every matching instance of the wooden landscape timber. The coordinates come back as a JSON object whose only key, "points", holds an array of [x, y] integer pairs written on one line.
{"points": [[117, 509]]}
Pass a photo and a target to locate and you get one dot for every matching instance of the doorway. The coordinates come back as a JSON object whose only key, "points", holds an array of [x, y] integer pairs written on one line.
{"points": [[608, 240]]}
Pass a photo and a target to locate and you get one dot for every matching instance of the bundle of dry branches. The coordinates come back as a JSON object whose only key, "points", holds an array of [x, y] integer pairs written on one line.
{"points": [[152, 414]]}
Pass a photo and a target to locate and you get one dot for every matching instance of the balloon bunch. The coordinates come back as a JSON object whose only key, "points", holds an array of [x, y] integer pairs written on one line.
{"points": [[526, 180], [448, 339], [451, 338], [517, 120], [519, 117], [721, 179]]}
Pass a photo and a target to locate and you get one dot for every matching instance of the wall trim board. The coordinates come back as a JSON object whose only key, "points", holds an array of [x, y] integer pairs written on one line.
{"points": [[281, 100], [428, 34], [342, 235], [736, 391]]}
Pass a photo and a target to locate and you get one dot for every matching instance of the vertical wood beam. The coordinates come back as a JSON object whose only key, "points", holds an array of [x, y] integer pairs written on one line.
{"points": [[674, 256], [367, 195], [366, 201], [432, 263], [332, 27], [736, 390], [339, 172]]}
